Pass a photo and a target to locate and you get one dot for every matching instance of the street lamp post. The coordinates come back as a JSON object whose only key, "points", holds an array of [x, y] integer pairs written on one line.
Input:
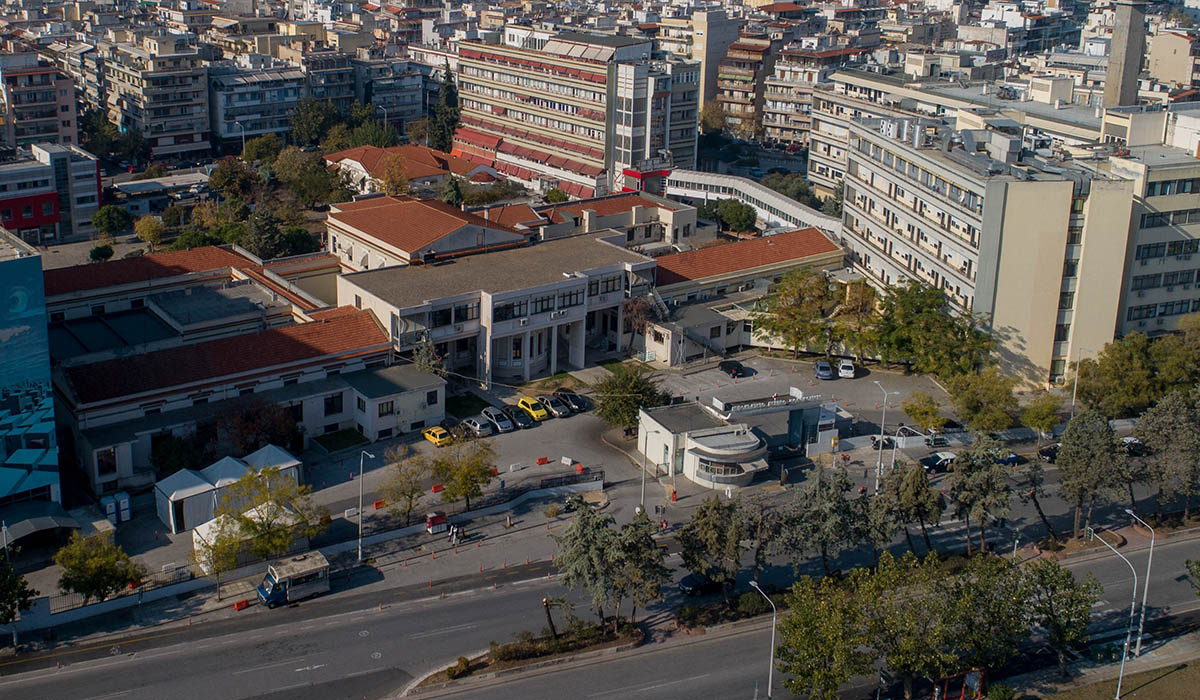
{"points": [[243, 128], [882, 426], [896, 440], [771, 666], [1075, 388], [1132, 606], [360, 500], [1146, 585]]}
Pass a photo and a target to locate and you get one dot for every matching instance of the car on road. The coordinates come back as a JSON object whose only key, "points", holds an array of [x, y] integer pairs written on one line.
{"points": [[939, 462], [499, 419], [1049, 453], [519, 417], [733, 368], [439, 436], [533, 408], [699, 584], [823, 369], [936, 440], [476, 426], [1009, 459], [555, 405], [1133, 446], [846, 369], [577, 403]]}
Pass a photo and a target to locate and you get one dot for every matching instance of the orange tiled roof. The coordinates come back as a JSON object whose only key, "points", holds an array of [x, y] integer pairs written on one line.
{"points": [[742, 255], [409, 224], [419, 161], [66, 280], [332, 334], [512, 214]]}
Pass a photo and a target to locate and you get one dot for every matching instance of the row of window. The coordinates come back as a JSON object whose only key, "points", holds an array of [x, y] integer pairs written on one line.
{"points": [[1164, 279], [1182, 246], [27, 211], [534, 119], [1159, 219], [967, 199], [1170, 308], [1165, 187]]}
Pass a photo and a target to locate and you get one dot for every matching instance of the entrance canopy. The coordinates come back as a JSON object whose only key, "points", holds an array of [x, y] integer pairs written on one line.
{"points": [[24, 519]]}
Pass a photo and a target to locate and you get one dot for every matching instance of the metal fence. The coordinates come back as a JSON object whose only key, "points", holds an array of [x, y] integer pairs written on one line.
{"points": [[170, 574]]}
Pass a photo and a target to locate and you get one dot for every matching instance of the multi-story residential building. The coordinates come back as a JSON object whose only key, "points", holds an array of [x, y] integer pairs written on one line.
{"points": [[392, 84], [38, 102], [703, 36], [1012, 26], [787, 99], [159, 87], [330, 77], [29, 483], [1032, 247], [578, 113], [1174, 58], [50, 194], [741, 82], [831, 115], [246, 102]]}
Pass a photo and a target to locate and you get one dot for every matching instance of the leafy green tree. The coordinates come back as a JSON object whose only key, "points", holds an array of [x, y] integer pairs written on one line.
{"points": [[133, 146], [1193, 569], [555, 196], [874, 522], [924, 410], [1171, 430], [798, 312], [311, 119], [820, 520], [111, 220], [1034, 491], [97, 133], [100, 253], [1089, 463], [823, 638], [987, 606], [1041, 414], [1121, 380], [155, 170], [917, 327], [373, 133], [445, 113], [857, 318], [1061, 605], [418, 131], [220, 553], [451, 193], [464, 467], [712, 118], [150, 230], [907, 621], [585, 556], [264, 235], [406, 482], [833, 205], [270, 510], [15, 593], [623, 392], [95, 567], [393, 175], [919, 501], [638, 566], [978, 485], [762, 524], [711, 542], [984, 402], [193, 238], [263, 148], [793, 185], [172, 216], [737, 216], [232, 178], [292, 164], [426, 359]]}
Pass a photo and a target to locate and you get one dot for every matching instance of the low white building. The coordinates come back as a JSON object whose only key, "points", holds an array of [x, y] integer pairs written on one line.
{"points": [[188, 498]]}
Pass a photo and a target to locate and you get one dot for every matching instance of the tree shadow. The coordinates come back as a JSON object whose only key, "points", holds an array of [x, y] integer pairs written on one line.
{"points": [[1157, 678]]}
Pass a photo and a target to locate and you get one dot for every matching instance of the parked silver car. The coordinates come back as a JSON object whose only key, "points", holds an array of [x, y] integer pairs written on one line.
{"points": [[477, 426], [555, 405], [499, 419]]}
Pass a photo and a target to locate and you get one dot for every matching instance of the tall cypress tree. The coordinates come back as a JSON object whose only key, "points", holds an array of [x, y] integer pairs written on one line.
{"points": [[444, 118]]}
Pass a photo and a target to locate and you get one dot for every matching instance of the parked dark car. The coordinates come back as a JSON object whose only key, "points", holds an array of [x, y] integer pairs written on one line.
{"points": [[1133, 446], [937, 441], [1009, 459], [733, 368], [519, 418], [1049, 453], [699, 584], [577, 403]]}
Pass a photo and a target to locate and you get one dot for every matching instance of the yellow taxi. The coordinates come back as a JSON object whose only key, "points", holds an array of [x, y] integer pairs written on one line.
{"points": [[533, 407], [438, 435]]}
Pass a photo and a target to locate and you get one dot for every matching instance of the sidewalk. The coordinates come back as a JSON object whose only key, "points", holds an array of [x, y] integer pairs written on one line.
{"points": [[1175, 651]]}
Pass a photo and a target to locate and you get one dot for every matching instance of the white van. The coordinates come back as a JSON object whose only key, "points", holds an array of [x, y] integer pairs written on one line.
{"points": [[294, 579]]}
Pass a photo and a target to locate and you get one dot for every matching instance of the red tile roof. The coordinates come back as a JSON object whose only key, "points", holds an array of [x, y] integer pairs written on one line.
{"points": [[419, 161], [332, 334], [512, 214], [409, 224], [742, 255], [65, 280]]}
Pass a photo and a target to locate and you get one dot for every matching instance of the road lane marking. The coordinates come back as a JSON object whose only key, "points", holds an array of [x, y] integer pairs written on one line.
{"points": [[643, 688], [277, 663], [444, 630], [310, 668]]}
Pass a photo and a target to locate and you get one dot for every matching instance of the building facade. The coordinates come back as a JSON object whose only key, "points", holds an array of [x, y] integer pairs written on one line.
{"points": [[38, 103], [50, 195]]}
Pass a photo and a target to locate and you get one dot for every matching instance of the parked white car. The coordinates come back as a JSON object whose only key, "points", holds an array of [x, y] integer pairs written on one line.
{"points": [[846, 369]]}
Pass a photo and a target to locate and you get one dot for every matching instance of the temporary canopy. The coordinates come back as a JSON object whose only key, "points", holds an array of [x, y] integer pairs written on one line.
{"points": [[188, 498], [205, 532]]}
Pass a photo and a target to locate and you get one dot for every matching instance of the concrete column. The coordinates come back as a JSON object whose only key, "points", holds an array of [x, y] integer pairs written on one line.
{"points": [[577, 348], [525, 354], [620, 327], [485, 372], [553, 330]]}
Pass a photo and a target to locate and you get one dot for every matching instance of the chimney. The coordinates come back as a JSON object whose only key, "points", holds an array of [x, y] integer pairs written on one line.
{"points": [[1125, 57]]}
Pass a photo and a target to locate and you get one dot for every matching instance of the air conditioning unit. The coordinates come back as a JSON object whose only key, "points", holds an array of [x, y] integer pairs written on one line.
{"points": [[458, 328], [523, 322], [1141, 294]]}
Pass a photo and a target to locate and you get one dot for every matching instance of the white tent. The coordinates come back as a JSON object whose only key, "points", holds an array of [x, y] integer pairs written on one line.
{"points": [[224, 471], [184, 500], [272, 456], [205, 532]]}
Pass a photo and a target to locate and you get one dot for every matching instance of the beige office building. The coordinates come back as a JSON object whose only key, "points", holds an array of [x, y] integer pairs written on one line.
{"points": [[159, 87]]}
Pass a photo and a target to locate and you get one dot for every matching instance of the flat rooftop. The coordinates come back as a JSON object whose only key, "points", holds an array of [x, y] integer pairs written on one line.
{"points": [[683, 417], [501, 271], [203, 304]]}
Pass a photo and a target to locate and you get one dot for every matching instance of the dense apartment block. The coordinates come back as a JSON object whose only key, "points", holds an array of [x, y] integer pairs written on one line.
{"points": [[578, 113], [50, 193], [38, 103], [788, 93], [1031, 246], [159, 87], [741, 82], [703, 36], [246, 102]]}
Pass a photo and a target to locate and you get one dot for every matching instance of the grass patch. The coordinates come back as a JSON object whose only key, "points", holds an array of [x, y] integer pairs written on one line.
{"points": [[465, 405], [1177, 681], [347, 437], [554, 381]]}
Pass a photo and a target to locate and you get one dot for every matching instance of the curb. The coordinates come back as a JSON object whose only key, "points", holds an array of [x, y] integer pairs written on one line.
{"points": [[414, 691], [1177, 536]]}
